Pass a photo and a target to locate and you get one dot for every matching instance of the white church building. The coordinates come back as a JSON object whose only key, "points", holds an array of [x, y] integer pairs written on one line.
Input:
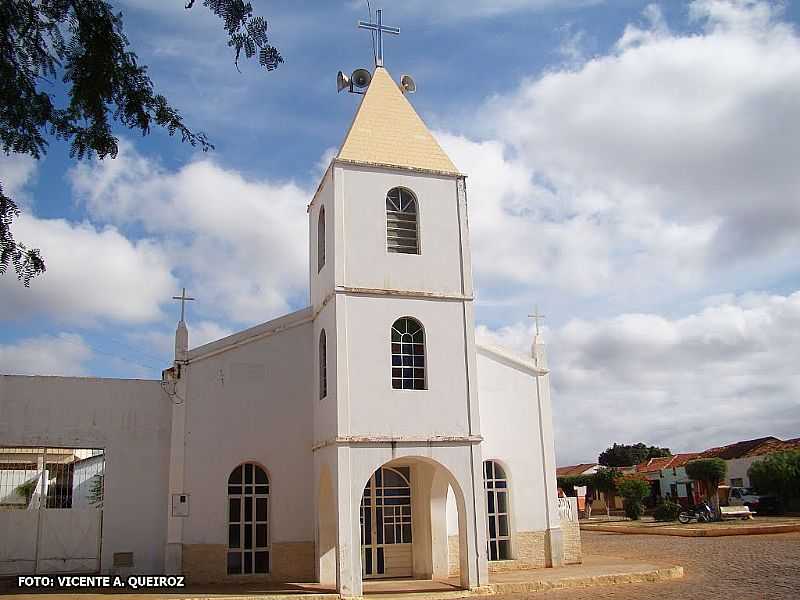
{"points": [[365, 436]]}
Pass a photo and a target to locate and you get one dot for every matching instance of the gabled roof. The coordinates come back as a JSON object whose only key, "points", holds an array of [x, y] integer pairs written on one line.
{"points": [[771, 446], [667, 462], [387, 131], [738, 449], [573, 470], [510, 358], [299, 317]]}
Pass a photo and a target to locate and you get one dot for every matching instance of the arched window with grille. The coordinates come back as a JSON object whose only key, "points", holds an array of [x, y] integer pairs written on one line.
{"points": [[498, 536], [248, 520], [321, 240], [402, 231], [408, 355], [323, 365]]}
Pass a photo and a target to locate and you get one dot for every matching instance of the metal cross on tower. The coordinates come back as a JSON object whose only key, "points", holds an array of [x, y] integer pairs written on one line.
{"points": [[536, 317], [183, 298], [381, 29]]}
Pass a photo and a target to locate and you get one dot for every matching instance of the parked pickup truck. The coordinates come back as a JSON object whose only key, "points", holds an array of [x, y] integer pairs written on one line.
{"points": [[740, 496]]}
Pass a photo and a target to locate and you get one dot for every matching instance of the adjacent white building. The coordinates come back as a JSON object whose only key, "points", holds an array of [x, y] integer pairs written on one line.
{"points": [[365, 436]]}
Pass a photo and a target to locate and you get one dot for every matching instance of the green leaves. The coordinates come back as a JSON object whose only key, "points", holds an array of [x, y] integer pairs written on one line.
{"points": [[26, 262], [778, 474], [246, 33], [83, 42], [709, 470]]}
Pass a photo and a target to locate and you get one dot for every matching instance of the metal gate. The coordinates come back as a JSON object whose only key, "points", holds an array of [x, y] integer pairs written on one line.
{"points": [[386, 549], [51, 510]]}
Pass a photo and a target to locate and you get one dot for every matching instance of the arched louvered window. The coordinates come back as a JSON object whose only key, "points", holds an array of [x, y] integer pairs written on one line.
{"points": [[321, 240], [323, 365], [402, 232], [248, 520], [498, 538], [408, 355]]}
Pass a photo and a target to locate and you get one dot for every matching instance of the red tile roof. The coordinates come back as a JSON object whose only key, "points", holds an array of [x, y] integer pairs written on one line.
{"points": [[668, 462], [738, 449]]}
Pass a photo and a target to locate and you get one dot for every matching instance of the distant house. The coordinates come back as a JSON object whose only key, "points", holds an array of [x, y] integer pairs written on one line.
{"points": [[667, 477], [575, 471], [741, 455]]}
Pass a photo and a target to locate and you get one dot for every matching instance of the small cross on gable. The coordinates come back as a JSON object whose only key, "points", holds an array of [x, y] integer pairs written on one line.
{"points": [[536, 316], [183, 298]]}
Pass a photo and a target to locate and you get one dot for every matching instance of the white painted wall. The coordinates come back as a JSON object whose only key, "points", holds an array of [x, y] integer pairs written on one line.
{"points": [[738, 467], [252, 402], [130, 420], [321, 282], [510, 426], [374, 407], [361, 232]]}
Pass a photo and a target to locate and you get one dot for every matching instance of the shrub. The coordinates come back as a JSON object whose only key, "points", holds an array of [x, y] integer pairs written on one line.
{"points": [[633, 490], [667, 511], [633, 509], [778, 474]]}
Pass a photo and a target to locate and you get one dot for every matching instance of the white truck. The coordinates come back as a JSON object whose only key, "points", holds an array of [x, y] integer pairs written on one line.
{"points": [[741, 496]]}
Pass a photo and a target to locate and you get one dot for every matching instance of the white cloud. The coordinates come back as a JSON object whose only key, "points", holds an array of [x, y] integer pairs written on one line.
{"points": [[663, 169], [16, 172], [676, 130], [91, 273], [726, 373], [62, 354], [242, 244]]}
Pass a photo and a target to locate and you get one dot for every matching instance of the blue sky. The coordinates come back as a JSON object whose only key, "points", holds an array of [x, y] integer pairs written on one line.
{"points": [[631, 170]]}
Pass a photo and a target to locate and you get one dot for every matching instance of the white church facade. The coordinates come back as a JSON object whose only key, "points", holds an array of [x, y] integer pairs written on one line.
{"points": [[365, 436]]}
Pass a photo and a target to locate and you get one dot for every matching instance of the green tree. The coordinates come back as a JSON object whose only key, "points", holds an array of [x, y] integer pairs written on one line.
{"points": [[605, 481], [625, 455], [711, 471], [82, 43], [633, 490], [778, 474], [27, 489], [569, 483]]}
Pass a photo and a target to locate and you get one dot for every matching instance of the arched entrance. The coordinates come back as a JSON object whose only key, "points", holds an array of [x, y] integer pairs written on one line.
{"points": [[403, 521], [386, 524]]}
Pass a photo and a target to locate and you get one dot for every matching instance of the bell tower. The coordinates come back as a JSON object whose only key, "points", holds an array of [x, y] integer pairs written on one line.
{"points": [[392, 296]]}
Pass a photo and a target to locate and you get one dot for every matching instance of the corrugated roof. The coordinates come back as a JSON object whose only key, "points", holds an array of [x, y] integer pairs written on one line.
{"points": [[387, 131]]}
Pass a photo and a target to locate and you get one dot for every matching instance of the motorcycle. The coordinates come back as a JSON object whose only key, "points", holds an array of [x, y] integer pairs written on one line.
{"points": [[702, 513]]}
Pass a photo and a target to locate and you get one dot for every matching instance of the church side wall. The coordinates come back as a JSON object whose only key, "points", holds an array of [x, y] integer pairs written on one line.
{"points": [[510, 428], [130, 420], [252, 403]]}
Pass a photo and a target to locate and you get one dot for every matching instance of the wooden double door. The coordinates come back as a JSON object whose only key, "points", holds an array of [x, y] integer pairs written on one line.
{"points": [[386, 518]]}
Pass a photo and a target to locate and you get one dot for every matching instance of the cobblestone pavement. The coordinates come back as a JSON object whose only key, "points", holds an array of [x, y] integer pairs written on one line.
{"points": [[750, 567]]}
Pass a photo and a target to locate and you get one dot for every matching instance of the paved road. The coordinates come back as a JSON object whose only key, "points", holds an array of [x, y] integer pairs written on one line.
{"points": [[752, 567]]}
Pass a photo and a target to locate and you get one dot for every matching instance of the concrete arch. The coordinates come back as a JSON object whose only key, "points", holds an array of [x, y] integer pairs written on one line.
{"points": [[430, 481]]}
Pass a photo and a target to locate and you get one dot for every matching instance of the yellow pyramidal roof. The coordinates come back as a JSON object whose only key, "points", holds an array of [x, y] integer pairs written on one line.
{"points": [[388, 131]]}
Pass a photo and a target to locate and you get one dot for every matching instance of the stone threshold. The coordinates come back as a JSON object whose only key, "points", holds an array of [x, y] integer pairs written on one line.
{"points": [[595, 573]]}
